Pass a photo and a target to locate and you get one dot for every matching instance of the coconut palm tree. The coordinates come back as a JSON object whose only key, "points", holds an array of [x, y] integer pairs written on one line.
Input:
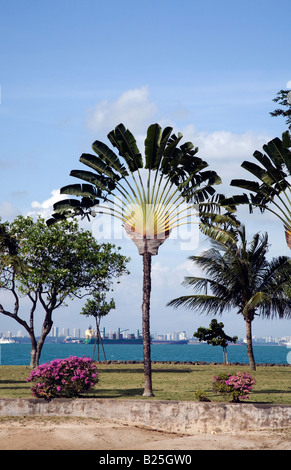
{"points": [[240, 277], [150, 196], [273, 191]]}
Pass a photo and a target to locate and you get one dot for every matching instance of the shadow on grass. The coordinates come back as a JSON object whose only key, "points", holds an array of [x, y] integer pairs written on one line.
{"points": [[270, 391], [141, 371], [120, 371], [14, 385], [8, 381]]}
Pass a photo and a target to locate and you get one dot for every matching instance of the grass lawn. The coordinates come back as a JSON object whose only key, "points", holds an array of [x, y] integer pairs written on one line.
{"points": [[170, 382]]}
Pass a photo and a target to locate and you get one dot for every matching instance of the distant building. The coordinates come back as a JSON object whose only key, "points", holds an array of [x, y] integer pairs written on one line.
{"points": [[77, 333], [55, 331]]}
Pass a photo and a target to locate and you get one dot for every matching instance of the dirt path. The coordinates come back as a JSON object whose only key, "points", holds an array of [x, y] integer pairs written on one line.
{"points": [[91, 434]]}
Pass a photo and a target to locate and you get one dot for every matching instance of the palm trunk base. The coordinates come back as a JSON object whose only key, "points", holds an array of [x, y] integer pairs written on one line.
{"points": [[147, 259], [146, 245]]}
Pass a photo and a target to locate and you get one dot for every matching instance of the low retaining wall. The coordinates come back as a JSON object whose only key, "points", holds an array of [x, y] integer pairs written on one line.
{"points": [[182, 417]]}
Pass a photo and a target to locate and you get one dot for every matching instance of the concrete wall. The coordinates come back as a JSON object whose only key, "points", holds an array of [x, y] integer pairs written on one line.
{"points": [[183, 417]]}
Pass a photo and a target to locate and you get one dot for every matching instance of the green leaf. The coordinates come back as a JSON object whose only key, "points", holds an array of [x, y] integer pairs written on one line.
{"points": [[245, 184], [170, 148], [286, 139], [255, 301], [109, 157], [91, 178], [152, 143], [275, 173], [123, 139], [237, 199], [257, 171], [218, 234], [98, 165], [164, 141], [67, 204], [85, 190]]}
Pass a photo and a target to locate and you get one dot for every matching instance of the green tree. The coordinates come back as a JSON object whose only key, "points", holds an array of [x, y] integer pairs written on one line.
{"points": [[215, 336], [98, 307], [64, 262], [273, 190], [240, 277], [9, 250], [149, 195], [284, 99]]}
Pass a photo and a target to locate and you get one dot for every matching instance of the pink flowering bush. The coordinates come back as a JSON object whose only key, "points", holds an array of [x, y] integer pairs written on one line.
{"points": [[237, 386], [63, 378]]}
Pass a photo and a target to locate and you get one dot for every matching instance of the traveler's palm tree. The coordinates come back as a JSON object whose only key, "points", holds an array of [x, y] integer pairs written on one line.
{"points": [[240, 277], [273, 192], [148, 195]]}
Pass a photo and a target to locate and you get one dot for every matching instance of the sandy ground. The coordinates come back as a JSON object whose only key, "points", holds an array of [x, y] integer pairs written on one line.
{"points": [[91, 434]]}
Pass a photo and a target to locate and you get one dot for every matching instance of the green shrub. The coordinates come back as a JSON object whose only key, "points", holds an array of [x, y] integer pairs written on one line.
{"points": [[238, 385]]}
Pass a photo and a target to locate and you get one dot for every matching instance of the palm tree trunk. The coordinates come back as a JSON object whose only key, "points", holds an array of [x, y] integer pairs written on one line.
{"points": [[147, 259], [225, 356], [250, 344]]}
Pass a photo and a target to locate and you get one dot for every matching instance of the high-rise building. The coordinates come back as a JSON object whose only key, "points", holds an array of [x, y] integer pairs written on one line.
{"points": [[55, 331], [76, 333]]}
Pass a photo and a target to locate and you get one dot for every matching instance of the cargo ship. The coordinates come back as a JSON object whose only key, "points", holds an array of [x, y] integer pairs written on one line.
{"points": [[165, 341], [113, 338], [121, 338]]}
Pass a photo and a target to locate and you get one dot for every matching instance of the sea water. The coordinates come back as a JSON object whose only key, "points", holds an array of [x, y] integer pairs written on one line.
{"points": [[19, 354]]}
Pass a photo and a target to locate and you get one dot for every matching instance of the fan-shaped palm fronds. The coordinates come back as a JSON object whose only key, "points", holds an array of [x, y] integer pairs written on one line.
{"points": [[150, 198], [273, 190], [151, 195]]}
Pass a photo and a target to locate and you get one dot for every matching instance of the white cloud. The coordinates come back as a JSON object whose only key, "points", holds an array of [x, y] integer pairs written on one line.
{"points": [[225, 145], [225, 151], [45, 208], [8, 211], [288, 84], [133, 108], [168, 278]]}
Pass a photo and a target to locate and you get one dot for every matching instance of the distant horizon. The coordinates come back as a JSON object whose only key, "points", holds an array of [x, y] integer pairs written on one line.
{"points": [[285, 338]]}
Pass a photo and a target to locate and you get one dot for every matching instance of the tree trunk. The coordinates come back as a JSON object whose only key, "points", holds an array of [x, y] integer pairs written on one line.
{"points": [[33, 353], [148, 391], [250, 344], [225, 356], [98, 339], [36, 347]]}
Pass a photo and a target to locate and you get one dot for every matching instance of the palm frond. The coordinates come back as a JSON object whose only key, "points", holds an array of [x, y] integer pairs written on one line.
{"points": [[201, 303]]}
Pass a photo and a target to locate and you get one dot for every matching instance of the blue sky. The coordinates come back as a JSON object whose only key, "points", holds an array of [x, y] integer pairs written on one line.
{"points": [[72, 70]]}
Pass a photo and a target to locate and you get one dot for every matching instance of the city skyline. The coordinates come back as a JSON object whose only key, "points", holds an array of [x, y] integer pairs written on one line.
{"points": [[62, 333]]}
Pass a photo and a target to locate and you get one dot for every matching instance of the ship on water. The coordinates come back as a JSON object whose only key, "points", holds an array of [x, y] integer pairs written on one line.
{"points": [[169, 341], [112, 338], [121, 338]]}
